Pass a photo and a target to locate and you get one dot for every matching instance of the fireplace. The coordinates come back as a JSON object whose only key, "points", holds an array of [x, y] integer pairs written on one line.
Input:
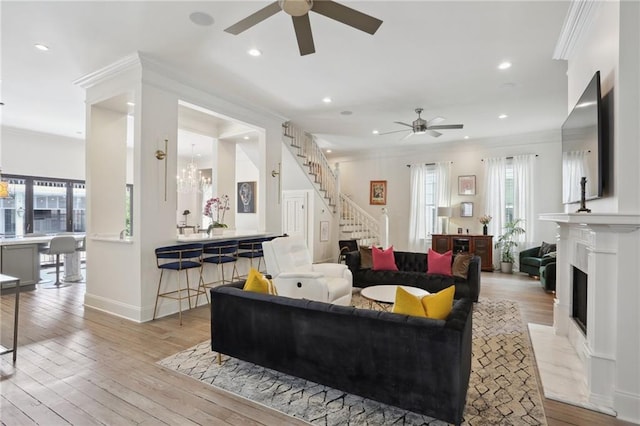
{"points": [[596, 308], [579, 310]]}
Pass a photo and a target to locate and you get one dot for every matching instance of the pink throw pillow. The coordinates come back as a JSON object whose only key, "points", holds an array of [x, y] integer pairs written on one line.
{"points": [[439, 263], [383, 260]]}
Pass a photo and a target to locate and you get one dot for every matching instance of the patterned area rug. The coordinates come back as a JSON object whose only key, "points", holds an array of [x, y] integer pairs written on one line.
{"points": [[503, 389]]}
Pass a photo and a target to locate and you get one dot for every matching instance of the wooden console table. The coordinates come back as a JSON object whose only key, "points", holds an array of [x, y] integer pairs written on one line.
{"points": [[480, 245]]}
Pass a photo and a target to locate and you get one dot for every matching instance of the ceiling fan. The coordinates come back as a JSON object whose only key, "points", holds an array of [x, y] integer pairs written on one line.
{"points": [[421, 126], [299, 11]]}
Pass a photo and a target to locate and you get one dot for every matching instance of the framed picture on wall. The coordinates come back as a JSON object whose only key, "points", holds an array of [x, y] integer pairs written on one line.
{"points": [[246, 197], [324, 230], [466, 209], [378, 192], [467, 185]]}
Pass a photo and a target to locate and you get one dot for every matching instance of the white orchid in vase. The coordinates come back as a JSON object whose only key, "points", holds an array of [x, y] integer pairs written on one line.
{"points": [[215, 208]]}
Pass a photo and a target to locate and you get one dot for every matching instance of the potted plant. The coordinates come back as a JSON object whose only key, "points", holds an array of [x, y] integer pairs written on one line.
{"points": [[506, 244], [215, 208]]}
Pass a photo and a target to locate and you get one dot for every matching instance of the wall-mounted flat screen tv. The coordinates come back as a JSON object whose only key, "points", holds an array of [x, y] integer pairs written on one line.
{"points": [[583, 146]]}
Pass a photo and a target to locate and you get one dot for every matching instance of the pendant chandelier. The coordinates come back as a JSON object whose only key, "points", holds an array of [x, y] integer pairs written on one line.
{"points": [[191, 179]]}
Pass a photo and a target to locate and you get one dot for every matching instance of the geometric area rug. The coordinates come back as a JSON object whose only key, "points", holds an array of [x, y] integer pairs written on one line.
{"points": [[503, 388]]}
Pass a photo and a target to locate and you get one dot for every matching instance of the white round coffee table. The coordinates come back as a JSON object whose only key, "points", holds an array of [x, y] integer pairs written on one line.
{"points": [[385, 295]]}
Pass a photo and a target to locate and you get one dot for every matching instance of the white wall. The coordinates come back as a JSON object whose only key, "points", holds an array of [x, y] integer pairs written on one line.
{"points": [[611, 44], [356, 172], [246, 171], [295, 178], [25, 152], [598, 49]]}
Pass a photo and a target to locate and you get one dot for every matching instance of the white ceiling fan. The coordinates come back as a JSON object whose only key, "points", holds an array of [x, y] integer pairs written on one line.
{"points": [[421, 126]]}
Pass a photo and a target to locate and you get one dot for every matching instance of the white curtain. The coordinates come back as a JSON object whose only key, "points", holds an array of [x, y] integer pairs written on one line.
{"points": [[420, 216], [495, 176], [573, 169], [443, 191], [418, 212], [523, 196]]}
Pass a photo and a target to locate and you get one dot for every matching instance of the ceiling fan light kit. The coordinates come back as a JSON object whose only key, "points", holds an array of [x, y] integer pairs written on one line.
{"points": [[299, 12]]}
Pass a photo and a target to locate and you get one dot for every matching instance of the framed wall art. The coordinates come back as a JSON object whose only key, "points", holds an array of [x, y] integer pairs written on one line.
{"points": [[246, 197], [324, 230], [466, 209], [467, 185], [378, 192]]}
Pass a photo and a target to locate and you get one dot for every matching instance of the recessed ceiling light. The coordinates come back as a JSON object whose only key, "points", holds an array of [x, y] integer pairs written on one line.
{"points": [[41, 47], [131, 104], [346, 113], [254, 52], [466, 137], [375, 132], [326, 100], [246, 138], [505, 65], [501, 116], [329, 151], [198, 155], [201, 18]]}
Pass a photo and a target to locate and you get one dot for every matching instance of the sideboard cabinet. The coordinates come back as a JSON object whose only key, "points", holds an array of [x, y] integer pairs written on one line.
{"points": [[480, 245]]}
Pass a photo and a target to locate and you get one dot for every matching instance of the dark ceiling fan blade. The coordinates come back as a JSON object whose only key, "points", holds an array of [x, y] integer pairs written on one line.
{"points": [[395, 131], [254, 18], [446, 126], [404, 124], [347, 16], [433, 133], [303, 33]]}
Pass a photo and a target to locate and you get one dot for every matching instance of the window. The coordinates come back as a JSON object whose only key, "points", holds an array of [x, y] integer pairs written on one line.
{"points": [[509, 191], [431, 190], [42, 205]]}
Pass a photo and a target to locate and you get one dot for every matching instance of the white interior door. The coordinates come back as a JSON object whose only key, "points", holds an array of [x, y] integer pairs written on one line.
{"points": [[295, 213]]}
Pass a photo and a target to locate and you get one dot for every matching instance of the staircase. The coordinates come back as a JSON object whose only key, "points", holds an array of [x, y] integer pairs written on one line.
{"points": [[355, 223]]}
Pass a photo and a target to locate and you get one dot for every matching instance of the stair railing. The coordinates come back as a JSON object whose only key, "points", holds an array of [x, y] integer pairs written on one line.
{"points": [[358, 223], [309, 154]]}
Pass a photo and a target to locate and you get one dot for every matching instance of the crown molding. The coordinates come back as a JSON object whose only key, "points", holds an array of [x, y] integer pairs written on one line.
{"points": [[578, 19], [129, 62]]}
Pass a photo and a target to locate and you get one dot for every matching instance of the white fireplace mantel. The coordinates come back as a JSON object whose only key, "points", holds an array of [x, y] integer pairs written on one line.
{"points": [[607, 247]]}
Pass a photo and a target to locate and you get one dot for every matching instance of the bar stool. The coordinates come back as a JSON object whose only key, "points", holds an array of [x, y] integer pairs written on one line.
{"points": [[60, 245], [252, 249], [220, 253], [179, 258]]}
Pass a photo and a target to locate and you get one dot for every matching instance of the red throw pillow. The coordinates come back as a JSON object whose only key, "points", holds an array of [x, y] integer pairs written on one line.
{"points": [[383, 260], [439, 263]]}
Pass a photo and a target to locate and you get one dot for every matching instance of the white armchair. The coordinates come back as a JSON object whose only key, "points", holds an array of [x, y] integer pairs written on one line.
{"points": [[294, 275]]}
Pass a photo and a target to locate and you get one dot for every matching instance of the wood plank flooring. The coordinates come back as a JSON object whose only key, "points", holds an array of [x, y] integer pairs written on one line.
{"points": [[84, 367]]}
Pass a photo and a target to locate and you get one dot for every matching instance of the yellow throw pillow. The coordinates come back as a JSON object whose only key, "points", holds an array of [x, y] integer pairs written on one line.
{"points": [[258, 283], [438, 306], [407, 304]]}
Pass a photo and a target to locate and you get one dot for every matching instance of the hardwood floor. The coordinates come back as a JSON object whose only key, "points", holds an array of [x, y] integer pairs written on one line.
{"points": [[84, 367]]}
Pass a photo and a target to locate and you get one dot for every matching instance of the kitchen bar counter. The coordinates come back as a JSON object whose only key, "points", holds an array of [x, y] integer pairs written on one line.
{"points": [[20, 257], [229, 234]]}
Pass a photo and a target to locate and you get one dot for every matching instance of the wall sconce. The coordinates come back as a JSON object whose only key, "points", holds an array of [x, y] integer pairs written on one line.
{"points": [[162, 155], [276, 173]]}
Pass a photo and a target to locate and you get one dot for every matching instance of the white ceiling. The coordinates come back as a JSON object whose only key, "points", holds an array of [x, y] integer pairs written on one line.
{"points": [[441, 56]]}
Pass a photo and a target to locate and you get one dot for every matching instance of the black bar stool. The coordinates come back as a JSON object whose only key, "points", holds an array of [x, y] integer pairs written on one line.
{"points": [[179, 258]]}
